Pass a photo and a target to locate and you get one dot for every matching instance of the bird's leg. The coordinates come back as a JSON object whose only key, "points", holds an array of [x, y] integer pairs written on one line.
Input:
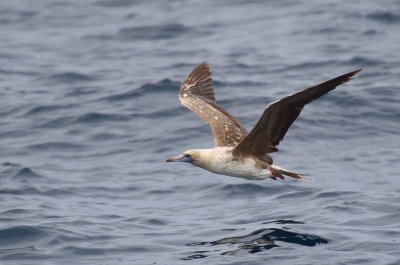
{"points": [[276, 173]]}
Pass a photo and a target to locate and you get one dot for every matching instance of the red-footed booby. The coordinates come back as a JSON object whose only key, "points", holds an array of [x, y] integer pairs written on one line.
{"points": [[238, 153]]}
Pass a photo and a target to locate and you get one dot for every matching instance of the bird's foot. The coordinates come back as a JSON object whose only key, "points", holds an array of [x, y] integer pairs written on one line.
{"points": [[276, 173]]}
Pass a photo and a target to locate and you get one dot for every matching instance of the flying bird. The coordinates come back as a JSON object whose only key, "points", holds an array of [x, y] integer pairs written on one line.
{"points": [[238, 153]]}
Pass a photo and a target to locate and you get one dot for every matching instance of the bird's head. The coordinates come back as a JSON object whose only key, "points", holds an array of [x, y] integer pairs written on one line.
{"points": [[185, 157], [196, 157]]}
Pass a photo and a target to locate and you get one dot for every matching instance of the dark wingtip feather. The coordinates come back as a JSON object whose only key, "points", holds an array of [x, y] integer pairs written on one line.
{"points": [[350, 76]]}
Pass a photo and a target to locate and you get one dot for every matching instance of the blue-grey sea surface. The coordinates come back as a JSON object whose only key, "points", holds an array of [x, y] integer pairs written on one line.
{"points": [[89, 113]]}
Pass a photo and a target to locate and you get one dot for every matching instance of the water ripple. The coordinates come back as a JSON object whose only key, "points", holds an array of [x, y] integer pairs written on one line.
{"points": [[21, 235], [385, 17], [153, 32], [165, 85], [257, 241], [72, 77], [56, 146], [101, 117]]}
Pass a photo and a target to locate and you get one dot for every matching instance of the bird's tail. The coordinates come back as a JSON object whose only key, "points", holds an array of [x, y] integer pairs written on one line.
{"points": [[290, 174]]}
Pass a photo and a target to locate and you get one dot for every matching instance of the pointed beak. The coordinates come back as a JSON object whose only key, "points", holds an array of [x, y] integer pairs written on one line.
{"points": [[180, 158]]}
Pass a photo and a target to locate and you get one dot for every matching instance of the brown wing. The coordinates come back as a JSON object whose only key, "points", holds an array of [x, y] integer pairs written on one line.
{"points": [[279, 115], [196, 93]]}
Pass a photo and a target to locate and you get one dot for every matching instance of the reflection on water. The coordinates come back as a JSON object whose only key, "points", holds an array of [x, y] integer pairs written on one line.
{"points": [[261, 240]]}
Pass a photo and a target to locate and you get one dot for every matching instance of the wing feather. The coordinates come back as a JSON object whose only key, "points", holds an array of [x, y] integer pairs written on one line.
{"points": [[279, 116], [197, 94]]}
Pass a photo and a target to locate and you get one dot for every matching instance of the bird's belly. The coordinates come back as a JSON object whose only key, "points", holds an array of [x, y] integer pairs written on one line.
{"points": [[247, 170]]}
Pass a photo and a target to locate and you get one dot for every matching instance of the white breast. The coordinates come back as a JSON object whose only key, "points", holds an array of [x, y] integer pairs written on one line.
{"points": [[221, 162]]}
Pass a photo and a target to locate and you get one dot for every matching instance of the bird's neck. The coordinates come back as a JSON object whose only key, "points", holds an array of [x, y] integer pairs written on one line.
{"points": [[209, 158]]}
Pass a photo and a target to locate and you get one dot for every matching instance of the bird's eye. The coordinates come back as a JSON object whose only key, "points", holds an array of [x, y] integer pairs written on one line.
{"points": [[188, 158]]}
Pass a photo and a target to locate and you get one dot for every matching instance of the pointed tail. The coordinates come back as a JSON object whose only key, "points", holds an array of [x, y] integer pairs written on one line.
{"points": [[290, 174]]}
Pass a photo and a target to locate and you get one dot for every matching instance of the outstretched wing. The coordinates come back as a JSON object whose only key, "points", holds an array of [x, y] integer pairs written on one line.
{"points": [[279, 115], [196, 93]]}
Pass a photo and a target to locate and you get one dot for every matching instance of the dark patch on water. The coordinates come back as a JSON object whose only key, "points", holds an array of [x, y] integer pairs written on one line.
{"points": [[20, 191], [155, 32], [335, 194], [364, 62], [20, 235], [285, 222], [116, 3], [247, 190], [165, 85], [26, 173], [260, 240], [385, 17], [47, 108], [72, 77], [25, 254], [101, 117], [57, 123], [82, 90], [56, 146], [309, 65], [16, 72]]}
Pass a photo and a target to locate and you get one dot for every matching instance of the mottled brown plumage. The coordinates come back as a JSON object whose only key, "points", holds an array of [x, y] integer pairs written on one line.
{"points": [[196, 93]]}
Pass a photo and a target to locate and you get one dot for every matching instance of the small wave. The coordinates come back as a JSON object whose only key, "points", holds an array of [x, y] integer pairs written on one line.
{"points": [[97, 251], [10, 164], [20, 234], [85, 251], [247, 190], [371, 32], [165, 85], [15, 211], [284, 221], [325, 30], [259, 240], [20, 191], [295, 195], [157, 222], [308, 65], [334, 194], [156, 32], [384, 17], [46, 108], [272, 235], [115, 3], [15, 72], [58, 122], [71, 77], [18, 173], [109, 216], [160, 113], [55, 146], [100, 117], [82, 90], [245, 83], [26, 173], [359, 61], [345, 98], [27, 253]]}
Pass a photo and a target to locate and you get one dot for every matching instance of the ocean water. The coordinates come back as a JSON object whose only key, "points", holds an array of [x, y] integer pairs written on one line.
{"points": [[89, 113]]}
